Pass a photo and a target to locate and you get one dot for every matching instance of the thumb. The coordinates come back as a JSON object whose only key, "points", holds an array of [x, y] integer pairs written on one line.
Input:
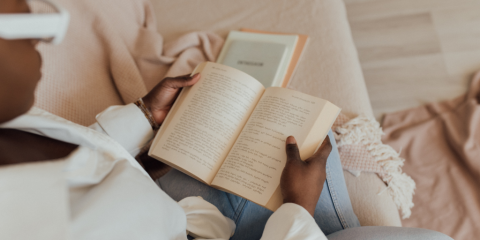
{"points": [[321, 155], [182, 81], [292, 149]]}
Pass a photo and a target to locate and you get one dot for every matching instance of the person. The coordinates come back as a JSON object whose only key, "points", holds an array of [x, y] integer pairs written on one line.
{"points": [[60, 180]]}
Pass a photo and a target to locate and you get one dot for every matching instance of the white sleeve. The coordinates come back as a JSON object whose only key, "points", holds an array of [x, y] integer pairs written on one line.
{"points": [[127, 125], [291, 221]]}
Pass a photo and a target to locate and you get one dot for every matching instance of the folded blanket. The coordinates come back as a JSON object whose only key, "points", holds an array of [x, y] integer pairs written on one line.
{"points": [[441, 144]]}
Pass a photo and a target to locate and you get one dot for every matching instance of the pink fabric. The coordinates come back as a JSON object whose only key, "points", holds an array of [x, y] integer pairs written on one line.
{"points": [[356, 158], [112, 55], [441, 145]]}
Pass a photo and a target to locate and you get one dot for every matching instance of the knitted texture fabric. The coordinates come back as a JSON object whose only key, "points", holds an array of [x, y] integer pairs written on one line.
{"points": [[361, 149], [113, 54]]}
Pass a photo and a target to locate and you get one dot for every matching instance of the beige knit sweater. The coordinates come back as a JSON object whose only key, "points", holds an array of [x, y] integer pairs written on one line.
{"points": [[112, 54]]}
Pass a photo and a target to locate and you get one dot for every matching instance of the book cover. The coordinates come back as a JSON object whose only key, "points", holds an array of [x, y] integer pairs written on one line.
{"points": [[289, 40], [261, 60], [297, 53]]}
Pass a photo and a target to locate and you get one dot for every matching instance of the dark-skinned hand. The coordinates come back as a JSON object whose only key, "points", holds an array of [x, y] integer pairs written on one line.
{"points": [[302, 181], [160, 100]]}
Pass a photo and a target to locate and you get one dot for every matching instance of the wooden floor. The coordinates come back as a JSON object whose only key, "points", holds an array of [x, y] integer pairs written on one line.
{"points": [[415, 51]]}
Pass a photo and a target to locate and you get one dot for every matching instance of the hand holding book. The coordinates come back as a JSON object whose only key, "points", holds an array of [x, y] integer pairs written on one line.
{"points": [[302, 181], [161, 98], [229, 132]]}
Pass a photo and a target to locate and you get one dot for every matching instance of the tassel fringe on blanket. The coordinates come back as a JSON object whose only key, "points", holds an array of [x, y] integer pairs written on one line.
{"points": [[367, 132]]}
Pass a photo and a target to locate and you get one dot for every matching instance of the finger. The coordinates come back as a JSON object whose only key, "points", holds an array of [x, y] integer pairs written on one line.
{"points": [[321, 155], [186, 75], [292, 149], [182, 81]]}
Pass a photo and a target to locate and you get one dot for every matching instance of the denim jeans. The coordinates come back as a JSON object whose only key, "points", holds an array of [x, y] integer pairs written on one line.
{"points": [[333, 212]]}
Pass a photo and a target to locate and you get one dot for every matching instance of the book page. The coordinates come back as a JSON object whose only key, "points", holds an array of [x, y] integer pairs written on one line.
{"points": [[198, 137], [254, 165]]}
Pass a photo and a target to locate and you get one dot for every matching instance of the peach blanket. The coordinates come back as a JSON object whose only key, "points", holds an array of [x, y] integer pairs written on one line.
{"points": [[441, 145], [117, 55]]}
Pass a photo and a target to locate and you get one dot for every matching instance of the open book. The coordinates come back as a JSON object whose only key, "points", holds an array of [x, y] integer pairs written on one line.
{"points": [[229, 132]]}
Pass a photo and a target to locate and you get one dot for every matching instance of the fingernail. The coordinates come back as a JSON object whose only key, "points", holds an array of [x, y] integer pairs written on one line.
{"points": [[196, 74], [291, 140]]}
